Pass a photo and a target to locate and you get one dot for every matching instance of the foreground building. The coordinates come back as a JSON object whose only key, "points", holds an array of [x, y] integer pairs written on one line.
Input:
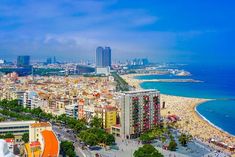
{"points": [[42, 141], [140, 111], [17, 128], [4, 149]]}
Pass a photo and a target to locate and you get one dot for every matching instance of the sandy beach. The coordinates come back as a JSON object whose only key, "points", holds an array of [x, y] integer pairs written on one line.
{"points": [[190, 121]]}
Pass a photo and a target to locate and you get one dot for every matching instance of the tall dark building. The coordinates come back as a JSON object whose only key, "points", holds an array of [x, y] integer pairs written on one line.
{"points": [[103, 56], [49, 61], [23, 61], [107, 56], [99, 56]]}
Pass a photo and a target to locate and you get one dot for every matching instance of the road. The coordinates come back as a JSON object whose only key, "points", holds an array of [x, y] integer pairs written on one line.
{"points": [[67, 134]]}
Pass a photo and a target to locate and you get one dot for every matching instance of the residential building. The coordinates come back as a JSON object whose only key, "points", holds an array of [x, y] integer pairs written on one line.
{"points": [[30, 99], [108, 114], [109, 117], [72, 111], [140, 111], [36, 128]]}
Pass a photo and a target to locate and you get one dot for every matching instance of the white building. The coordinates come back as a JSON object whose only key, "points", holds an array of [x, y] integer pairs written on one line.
{"points": [[30, 99], [103, 70], [4, 150], [72, 111], [140, 111], [17, 128], [2, 61]]}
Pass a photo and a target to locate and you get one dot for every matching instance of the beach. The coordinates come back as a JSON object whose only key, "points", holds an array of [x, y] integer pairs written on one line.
{"points": [[190, 121]]}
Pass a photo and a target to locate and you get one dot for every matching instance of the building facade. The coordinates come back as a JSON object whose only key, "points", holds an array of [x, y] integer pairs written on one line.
{"points": [[103, 57], [107, 57], [72, 111], [30, 99], [99, 56], [36, 128], [140, 111], [23, 61], [17, 128]]}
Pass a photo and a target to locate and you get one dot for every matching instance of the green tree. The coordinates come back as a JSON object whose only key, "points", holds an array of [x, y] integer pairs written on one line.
{"points": [[96, 122], [9, 135], [184, 139], [109, 139], [91, 139], [147, 151], [172, 145], [67, 149], [2, 119], [145, 138], [25, 137]]}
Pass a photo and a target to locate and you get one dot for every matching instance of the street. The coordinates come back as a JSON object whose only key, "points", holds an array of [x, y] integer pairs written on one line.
{"points": [[67, 134]]}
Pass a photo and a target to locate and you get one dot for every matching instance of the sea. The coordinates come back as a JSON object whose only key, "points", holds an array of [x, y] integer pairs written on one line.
{"points": [[218, 83]]}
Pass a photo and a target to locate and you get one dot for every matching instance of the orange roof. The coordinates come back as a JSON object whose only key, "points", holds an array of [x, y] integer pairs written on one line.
{"points": [[35, 144], [9, 140], [40, 124], [51, 144]]}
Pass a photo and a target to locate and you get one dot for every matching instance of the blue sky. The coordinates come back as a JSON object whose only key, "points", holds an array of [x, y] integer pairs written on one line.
{"points": [[180, 31]]}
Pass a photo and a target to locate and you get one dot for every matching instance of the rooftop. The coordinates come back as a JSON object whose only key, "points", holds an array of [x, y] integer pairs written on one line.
{"points": [[40, 124], [51, 144], [16, 123], [32, 152]]}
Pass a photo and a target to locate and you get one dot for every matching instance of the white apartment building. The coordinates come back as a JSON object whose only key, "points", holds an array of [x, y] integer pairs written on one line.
{"points": [[72, 111], [30, 99], [140, 111]]}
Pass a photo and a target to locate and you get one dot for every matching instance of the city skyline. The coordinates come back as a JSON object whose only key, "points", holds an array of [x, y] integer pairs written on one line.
{"points": [[158, 30]]}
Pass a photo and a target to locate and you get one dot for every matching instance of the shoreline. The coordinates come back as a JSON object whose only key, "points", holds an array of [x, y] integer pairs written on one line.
{"points": [[208, 121], [192, 121]]}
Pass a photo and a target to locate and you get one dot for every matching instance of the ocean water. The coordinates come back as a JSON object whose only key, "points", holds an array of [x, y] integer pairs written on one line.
{"points": [[220, 113], [218, 83]]}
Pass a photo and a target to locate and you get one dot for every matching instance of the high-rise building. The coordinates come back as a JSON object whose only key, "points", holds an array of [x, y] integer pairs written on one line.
{"points": [[140, 111], [99, 56], [54, 61], [23, 61], [103, 56], [49, 60], [107, 57]]}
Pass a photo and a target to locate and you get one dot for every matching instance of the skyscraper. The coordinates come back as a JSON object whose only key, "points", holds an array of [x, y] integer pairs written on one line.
{"points": [[99, 56], [103, 57], [107, 57], [23, 61]]}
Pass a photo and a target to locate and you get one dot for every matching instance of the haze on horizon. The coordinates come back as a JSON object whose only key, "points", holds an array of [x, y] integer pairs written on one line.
{"points": [[179, 31]]}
